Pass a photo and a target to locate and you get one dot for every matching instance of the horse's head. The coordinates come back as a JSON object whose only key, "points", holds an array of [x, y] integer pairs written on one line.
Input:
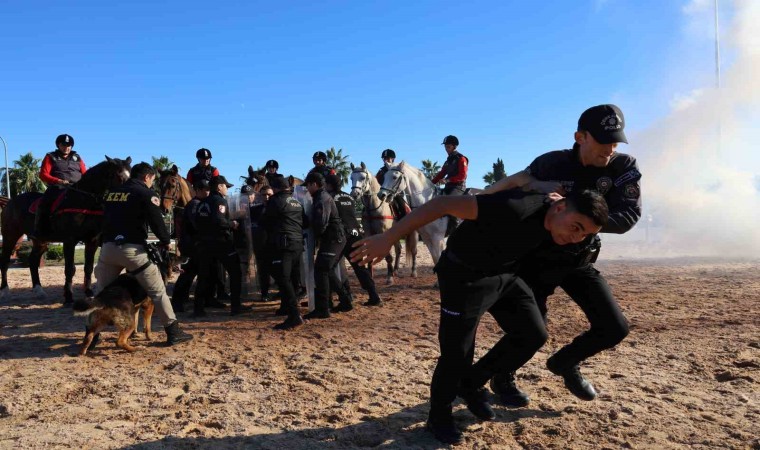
{"points": [[117, 170], [107, 174], [393, 183], [360, 183], [170, 186]]}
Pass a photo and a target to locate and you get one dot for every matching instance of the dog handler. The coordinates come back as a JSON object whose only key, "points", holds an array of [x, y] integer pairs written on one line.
{"points": [[129, 210], [477, 271]]}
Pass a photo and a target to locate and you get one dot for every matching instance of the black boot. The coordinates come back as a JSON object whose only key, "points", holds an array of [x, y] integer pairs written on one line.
{"points": [[240, 309], [174, 335], [290, 322], [374, 300], [509, 394], [316, 314], [574, 381], [477, 403], [441, 424]]}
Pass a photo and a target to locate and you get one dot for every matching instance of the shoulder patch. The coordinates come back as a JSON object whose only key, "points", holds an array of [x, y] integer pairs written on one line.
{"points": [[631, 191], [155, 200], [603, 184], [631, 175], [74, 158], [222, 209]]}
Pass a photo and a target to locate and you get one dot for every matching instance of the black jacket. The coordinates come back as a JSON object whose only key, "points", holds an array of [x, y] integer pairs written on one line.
{"points": [[283, 220], [212, 220], [128, 211], [347, 212], [325, 221]]}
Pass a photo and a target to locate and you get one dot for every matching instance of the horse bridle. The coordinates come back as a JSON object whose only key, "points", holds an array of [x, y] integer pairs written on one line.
{"points": [[177, 192], [394, 190], [365, 190]]}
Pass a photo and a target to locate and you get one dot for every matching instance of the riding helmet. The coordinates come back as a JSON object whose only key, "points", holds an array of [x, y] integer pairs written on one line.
{"points": [[450, 140], [64, 139], [272, 163], [388, 153], [203, 153], [320, 155]]}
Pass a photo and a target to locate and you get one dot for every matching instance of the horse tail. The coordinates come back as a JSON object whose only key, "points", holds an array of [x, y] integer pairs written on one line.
{"points": [[84, 307], [410, 245]]}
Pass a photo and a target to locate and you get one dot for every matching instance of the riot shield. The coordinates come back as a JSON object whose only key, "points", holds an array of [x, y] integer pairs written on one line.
{"points": [[240, 212], [301, 194]]}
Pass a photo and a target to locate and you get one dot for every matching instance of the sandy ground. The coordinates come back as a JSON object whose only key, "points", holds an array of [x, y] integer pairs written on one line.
{"points": [[686, 377]]}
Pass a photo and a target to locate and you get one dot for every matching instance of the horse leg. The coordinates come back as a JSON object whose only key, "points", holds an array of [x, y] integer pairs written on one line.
{"points": [[9, 240], [38, 249], [397, 248], [90, 247], [389, 263], [69, 271]]}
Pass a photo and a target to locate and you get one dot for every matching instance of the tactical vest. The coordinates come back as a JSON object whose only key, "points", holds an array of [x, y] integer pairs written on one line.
{"points": [[65, 168], [202, 173]]}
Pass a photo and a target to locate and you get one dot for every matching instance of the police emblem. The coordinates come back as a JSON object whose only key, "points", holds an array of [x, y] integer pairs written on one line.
{"points": [[222, 209], [631, 191], [603, 184], [155, 200]]}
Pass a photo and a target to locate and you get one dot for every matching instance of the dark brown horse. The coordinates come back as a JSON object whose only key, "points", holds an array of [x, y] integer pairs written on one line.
{"points": [[77, 216], [257, 179]]}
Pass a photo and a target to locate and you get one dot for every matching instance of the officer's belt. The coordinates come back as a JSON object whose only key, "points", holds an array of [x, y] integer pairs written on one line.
{"points": [[506, 268], [140, 269]]}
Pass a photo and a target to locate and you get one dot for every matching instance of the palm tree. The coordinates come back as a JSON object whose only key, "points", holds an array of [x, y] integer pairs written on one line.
{"points": [[430, 168], [162, 163], [339, 162], [25, 175]]}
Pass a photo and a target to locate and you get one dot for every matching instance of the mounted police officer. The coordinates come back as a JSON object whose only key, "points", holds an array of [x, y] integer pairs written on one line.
{"points": [[354, 232], [320, 165], [203, 170], [592, 163], [454, 170], [128, 212], [283, 220], [60, 168], [328, 232], [186, 246], [271, 168], [399, 205], [215, 242]]}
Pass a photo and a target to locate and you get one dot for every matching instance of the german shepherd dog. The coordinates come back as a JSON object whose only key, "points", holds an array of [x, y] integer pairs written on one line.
{"points": [[118, 304]]}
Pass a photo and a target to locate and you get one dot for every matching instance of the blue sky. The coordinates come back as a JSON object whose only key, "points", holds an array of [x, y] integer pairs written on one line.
{"points": [[256, 80]]}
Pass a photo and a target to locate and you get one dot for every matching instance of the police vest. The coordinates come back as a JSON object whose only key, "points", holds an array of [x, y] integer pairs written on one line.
{"points": [[347, 212], [202, 173], [65, 168]]}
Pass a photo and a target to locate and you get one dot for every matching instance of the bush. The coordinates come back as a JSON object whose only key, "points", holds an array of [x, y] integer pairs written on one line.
{"points": [[54, 253]]}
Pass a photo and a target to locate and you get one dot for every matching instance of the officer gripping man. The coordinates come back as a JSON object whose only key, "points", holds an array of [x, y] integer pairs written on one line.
{"points": [[203, 170], [328, 232], [592, 163], [354, 232], [215, 241], [128, 211], [60, 168], [259, 236], [320, 165], [283, 220]]}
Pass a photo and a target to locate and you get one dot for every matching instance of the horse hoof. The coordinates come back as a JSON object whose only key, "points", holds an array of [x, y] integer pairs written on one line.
{"points": [[39, 292], [391, 281], [414, 273]]}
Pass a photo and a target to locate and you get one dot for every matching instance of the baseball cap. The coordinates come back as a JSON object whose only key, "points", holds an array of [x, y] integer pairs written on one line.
{"points": [[219, 179], [201, 184], [246, 189], [280, 183], [605, 123]]}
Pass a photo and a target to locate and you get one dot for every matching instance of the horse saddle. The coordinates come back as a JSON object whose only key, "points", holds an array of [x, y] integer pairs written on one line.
{"points": [[56, 203]]}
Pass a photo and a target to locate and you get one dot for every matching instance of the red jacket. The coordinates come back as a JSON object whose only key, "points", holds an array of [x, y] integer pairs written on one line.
{"points": [[56, 168], [454, 169]]}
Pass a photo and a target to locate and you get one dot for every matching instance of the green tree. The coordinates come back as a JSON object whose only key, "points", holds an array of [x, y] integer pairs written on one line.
{"points": [[338, 161], [162, 163], [25, 175], [430, 168], [497, 174]]}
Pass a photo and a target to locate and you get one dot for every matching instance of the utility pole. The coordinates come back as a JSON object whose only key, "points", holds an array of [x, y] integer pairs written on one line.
{"points": [[7, 171]]}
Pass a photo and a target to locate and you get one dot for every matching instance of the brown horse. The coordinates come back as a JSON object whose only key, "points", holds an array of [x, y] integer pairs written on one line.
{"points": [[77, 216], [257, 179]]}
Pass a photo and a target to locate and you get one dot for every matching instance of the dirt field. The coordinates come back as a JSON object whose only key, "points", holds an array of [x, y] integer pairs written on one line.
{"points": [[688, 376]]}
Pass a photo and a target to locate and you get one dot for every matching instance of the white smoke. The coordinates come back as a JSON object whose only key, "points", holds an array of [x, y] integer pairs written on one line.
{"points": [[701, 164]]}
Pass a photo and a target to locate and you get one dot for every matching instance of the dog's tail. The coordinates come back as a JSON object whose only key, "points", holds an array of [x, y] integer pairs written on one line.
{"points": [[86, 306]]}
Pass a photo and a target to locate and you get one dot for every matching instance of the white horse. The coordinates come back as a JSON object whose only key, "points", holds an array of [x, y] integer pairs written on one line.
{"points": [[377, 217], [403, 177]]}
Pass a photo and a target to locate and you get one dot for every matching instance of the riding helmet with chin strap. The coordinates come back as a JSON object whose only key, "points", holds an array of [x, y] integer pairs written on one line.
{"points": [[64, 139], [388, 153], [203, 153], [272, 163], [320, 155]]}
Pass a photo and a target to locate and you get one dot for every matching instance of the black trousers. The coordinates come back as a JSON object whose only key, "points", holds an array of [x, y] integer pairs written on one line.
{"points": [[283, 264], [325, 279], [590, 291], [362, 272], [213, 253], [465, 297], [263, 264]]}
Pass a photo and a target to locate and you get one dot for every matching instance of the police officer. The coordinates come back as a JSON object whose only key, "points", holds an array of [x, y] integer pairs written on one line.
{"points": [[271, 167], [478, 271], [320, 165], [399, 205], [128, 211], [283, 220], [354, 232], [60, 168], [592, 163], [215, 241], [259, 236], [186, 246], [454, 170], [203, 170], [328, 232]]}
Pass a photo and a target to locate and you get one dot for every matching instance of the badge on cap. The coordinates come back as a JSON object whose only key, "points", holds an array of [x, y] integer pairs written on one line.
{"points": [[222, 209], [155, 200]]}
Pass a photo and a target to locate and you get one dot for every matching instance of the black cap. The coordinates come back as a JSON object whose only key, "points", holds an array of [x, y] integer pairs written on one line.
{"points": [[605, 123], [203, 153], [246, 189], [201, 184], [315, 177], [320, 155], [388, 153], [64, 139], [280, 183], [219, 179], [272, 163], [450, 140]]}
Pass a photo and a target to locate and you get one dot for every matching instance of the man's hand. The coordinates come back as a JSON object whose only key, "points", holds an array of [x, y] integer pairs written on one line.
{"points": [[371, 250], [545, 187], [64, 182]]}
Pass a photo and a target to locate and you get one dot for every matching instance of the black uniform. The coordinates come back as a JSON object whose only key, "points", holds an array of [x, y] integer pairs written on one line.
{"points": [[571, 266], [283, 220], [328, 232], [354, 232], [215, 241], [260, 250], [129, 210], [186, 246], [477, 270]]}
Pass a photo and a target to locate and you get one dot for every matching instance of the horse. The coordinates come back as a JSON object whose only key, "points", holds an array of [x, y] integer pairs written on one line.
{"points": [[76, 216], [403, 177], [175, 190], [378, 218], [257, 179]]}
